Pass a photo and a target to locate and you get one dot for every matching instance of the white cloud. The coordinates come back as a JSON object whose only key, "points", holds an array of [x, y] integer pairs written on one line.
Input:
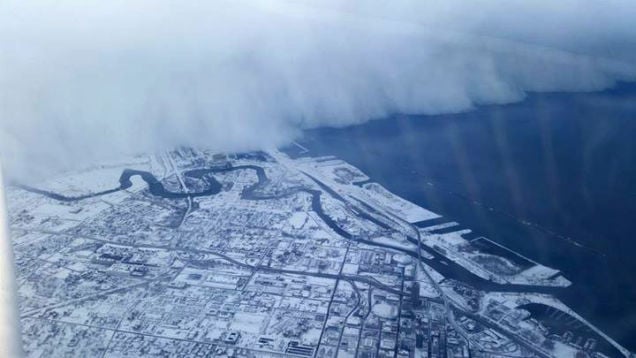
{"points": [[82, 80]]}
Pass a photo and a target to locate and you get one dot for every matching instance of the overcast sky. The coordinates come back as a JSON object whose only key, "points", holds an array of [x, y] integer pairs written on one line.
{"points": [[84, 80]]}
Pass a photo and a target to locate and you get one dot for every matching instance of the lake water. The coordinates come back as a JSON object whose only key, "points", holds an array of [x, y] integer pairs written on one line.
{"points": [[552, 177]]}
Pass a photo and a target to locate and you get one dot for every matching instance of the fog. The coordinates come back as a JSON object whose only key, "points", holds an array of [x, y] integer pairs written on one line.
{"points": [[84, 81]]}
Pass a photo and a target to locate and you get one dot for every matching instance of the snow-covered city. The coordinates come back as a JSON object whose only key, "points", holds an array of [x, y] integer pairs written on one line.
{"points": [[265, 254]]}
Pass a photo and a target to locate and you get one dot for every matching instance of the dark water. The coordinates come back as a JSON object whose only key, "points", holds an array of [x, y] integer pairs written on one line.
{"points": [[154, 186], [553, 177]]}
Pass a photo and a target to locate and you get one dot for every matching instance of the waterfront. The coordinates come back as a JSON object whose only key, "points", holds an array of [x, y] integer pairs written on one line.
{"points": [[553, 177]]}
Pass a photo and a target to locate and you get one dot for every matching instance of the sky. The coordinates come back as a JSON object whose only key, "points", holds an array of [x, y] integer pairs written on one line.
{"points": [[85, 81]]}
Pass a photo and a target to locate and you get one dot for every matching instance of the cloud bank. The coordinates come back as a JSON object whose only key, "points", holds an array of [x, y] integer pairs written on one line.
{"points": [[82, 81]]}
